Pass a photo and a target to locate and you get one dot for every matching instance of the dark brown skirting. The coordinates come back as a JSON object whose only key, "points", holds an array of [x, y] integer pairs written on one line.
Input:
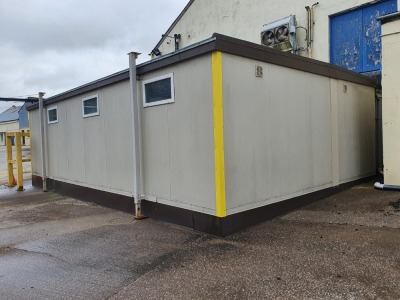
{"points": [[107, 199], [233, 223], [197, 221]]}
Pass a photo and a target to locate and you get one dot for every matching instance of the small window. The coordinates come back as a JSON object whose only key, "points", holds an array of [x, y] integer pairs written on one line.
{"points": [[158, 90], [52, 115], [90, 106]]}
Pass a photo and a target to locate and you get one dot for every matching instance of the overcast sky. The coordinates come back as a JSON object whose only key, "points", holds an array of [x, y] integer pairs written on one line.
{"points": [[54, 45]]}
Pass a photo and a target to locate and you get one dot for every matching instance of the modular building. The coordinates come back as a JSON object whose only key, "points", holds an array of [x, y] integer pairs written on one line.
{"points": [[230, 134], [391, 101]]}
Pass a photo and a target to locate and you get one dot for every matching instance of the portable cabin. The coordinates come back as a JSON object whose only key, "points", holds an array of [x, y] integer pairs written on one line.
{"points": [[230, 133]]}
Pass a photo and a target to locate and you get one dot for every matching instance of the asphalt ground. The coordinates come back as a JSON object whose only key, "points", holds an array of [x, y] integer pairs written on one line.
{"points": [[342, 247]]}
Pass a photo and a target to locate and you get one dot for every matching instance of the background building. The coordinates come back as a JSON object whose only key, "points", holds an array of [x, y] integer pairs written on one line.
{"points": [[13, 119]]}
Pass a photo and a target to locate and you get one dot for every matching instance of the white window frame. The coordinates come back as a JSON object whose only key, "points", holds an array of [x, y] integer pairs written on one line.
{"points": [[97, 104], [166, 101], [48, 119]]}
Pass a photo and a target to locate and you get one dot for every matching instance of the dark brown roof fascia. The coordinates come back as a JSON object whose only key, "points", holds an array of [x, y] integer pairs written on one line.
{"points": [[390, 17], [258, 52], [29, 99], [176, 57], [120, 76]]}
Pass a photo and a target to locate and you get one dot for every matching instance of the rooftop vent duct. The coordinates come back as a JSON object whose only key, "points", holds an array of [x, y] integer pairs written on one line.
{"points": [[280, 34]]}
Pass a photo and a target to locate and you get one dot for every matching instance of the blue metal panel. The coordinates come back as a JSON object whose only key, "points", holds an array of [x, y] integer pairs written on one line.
{"points": [[372, 46], [346, 40], [356, 37], [23, 117]]}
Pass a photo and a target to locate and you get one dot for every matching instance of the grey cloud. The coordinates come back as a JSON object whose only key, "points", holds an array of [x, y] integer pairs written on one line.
{"points": [[63, 25], [52, 46]]}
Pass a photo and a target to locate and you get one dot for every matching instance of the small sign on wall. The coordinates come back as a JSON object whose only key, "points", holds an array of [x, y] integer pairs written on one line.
{"points": [[259, 71]]}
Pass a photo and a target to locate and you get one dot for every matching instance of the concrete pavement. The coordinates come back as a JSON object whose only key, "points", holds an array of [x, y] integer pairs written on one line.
{"points": [[342, 247]]}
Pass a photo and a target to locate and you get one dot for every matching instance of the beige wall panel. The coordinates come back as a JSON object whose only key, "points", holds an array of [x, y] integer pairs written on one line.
{"points": [[191, 135], [348, 133], [356, 116], [247, 117], [179, 136], [58, 143], [95, 145], [367, 125], [11, 126], [116, 113], [277, 132], [156, 164], [391, 101], [6, 127], [35, 142], [244, 19], [94, 151], [319, 139], [75, 143], [288, 131]]}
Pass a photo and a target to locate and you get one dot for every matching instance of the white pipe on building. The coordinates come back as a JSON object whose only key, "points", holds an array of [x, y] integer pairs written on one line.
{"points": [[42, 139], [381, 186], [310, 28], [137, 184]]}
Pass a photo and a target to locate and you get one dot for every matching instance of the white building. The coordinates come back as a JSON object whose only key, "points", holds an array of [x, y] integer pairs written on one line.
{"points": [[348, 28]]}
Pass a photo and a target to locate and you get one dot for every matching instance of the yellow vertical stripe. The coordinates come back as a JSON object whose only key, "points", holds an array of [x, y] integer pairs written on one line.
{"points": [[219, 157]]}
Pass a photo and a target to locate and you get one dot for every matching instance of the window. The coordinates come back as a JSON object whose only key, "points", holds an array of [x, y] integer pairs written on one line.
{"points": [[159, 90], [52, 115], [90, 106]]}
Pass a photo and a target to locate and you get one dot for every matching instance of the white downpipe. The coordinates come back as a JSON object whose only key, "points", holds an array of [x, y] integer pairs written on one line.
{"points": [[312, 23], [137, 194], [43, 142], [381, 186], [308, 9], [310, 28]]}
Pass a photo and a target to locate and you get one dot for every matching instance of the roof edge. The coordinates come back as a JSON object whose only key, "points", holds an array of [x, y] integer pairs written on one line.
{"points": [[390, 17], [259, 52], [229, 45], [110, 79], [164, 36]]}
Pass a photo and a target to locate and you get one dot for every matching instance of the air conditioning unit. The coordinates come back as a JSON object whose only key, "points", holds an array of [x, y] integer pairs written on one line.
{"points": [[280, 34]]}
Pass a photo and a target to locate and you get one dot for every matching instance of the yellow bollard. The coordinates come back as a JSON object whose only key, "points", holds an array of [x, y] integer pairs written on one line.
{"points": [[18, 160], [18, 150], [9, 160]]}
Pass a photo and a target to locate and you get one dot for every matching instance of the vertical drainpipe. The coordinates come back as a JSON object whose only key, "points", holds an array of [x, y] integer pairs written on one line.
{"points": [[310, 28], [137, 194], [43, 143], [308, 31], [312, 23]]}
